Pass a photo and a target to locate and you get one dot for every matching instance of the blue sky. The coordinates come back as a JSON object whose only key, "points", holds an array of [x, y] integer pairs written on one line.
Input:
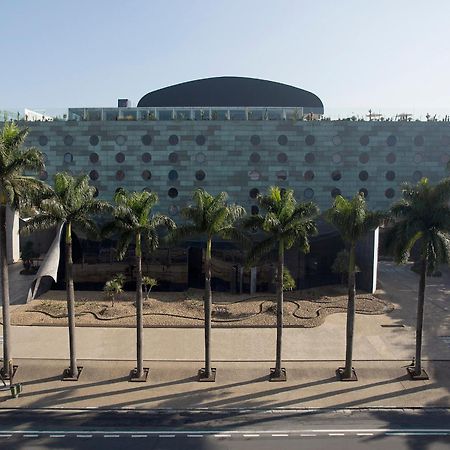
{"points": [[355, 54]]}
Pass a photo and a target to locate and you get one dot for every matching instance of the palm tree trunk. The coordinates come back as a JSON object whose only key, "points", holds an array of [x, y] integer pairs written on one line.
{"points": [[279, 308], [70, 302], [208, 301], [139, 319], [419, 319], [350, 314], [7, 360]]}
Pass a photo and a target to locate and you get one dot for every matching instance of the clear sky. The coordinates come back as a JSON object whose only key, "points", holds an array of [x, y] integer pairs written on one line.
{"points": [[387, 55]]}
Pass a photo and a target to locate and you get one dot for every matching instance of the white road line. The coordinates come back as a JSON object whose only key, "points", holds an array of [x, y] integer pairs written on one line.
{"points": [[138, 435], [195, 435], [57, 435], [280, 435], [111, 436], [30, 435], [336, 434], [364, 434], [166, 435], [308, 435], [250, 435], [84, 435], [222, 435], [5, 435], [416, 434]]}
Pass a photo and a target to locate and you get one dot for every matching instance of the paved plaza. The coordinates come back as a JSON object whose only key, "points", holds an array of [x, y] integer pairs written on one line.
{"points": [[384, 346]]}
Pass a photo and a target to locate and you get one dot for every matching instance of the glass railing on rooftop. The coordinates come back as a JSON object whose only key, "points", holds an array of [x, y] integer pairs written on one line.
{"points": [[186, 113]]}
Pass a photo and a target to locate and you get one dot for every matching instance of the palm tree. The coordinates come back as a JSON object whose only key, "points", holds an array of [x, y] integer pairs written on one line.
{"points": [[422, 216], [284, 224], [133, 222], [209, 216], [16, 189], [72, 203], [353, 221]]}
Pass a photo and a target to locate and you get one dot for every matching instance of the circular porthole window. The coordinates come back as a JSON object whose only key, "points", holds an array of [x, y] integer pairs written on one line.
{"points": [[200, 139], [391, 140], [93, 175], [68, 157], [389, 193], [282, 139], [255, 157], [173, 139], [120, 175], [390, 175], [173, 175], [309, 175], [337, 158], [310, 139], [364, 192], [363, 175], [94, 140], [172, 192], [255, 140], [418, 141], [43, 175], [253, 193], [146, 175], [364, 140], [337, 140], [146, 139], [364, 158], [200, 175], [43, 140], [120, 157], [200, 158], [336, 175], [310, 158], [173, 157], [282, 157], [68, 140], [335, 192], [93, 158], [391, 158], [120, 140], [146, 157], [308, 193]]}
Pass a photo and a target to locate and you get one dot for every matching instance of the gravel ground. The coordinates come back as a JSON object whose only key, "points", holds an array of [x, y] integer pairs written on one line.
{"points": [[307, 308]]}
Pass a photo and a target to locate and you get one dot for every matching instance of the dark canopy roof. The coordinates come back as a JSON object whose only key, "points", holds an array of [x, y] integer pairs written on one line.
{"points": [[231, 91]]}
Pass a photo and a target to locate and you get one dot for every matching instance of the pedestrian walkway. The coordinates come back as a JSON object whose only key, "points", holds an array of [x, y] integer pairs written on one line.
{"points": [[104, 384]]}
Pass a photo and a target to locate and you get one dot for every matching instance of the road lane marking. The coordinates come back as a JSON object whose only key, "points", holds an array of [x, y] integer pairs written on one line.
{"points": [[5, 435], [166, 435], [280, 435], [364, 434], [250, 435], [138, 435], [84, 435], [30, 435], [222, 435], [195, 435], [336, 434], [308, 435], [57, 435], [406, 433], [111, 436]]}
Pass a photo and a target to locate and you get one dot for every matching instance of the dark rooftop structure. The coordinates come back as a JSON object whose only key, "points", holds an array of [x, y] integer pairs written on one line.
{"points": [[232, 91]]}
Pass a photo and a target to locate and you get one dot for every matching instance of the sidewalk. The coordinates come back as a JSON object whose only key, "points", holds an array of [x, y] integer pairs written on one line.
{"points": [[238, 385]]}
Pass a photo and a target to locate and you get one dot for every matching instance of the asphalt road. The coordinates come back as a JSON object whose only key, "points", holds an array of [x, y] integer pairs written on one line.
{"points": [[231, 429]]}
